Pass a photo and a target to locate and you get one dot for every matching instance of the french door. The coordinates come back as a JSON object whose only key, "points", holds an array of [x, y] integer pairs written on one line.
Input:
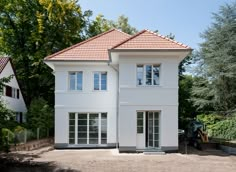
{"points": [[88, 128], [152, 129]]}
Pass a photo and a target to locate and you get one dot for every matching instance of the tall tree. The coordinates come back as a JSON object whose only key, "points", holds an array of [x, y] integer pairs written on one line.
{"points": [[218, 59], [101, 24], [33, 29]]}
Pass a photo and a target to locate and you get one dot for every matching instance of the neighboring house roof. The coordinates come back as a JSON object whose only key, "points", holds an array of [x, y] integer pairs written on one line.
{"points": [[93, 49], [96, 48], [3, 63], [149, 40]]}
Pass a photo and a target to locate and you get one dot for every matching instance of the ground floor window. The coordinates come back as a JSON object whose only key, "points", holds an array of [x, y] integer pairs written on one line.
{"points": [[88, 128]]}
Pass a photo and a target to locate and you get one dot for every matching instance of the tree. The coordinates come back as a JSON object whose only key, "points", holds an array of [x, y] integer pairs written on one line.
{"points": [[33, 29], [100, 25], [217, 85], [40, 115]]}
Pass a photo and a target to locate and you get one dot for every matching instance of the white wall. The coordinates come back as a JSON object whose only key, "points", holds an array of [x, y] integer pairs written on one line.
{"points": [[17, 105], [86, 100], [163, 98]]}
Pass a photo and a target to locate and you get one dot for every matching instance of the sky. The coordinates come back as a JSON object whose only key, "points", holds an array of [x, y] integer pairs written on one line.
{"points": [[186, 19]]}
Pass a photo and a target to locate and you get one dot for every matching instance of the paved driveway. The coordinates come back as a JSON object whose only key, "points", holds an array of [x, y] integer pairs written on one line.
{"points": [[111, 161]]}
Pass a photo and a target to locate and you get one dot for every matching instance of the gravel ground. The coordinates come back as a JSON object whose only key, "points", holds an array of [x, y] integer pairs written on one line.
{"points": [[111, 160]]}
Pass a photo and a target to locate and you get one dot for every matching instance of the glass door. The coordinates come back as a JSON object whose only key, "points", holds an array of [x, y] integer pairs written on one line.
{"points": [[153, 130], [88, 128]]}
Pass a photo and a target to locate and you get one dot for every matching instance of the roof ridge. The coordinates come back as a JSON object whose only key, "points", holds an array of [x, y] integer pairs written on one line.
{"points": [[80, 43], [171, 40], [128, 39]]}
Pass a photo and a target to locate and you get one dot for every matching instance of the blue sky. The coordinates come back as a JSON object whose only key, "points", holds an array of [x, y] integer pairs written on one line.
{"points": [[186, 19]]}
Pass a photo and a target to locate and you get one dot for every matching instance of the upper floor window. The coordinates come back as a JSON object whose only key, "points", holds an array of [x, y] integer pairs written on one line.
{"points": [[11, 92], [148, 74], [100, 80], [75, 80]]}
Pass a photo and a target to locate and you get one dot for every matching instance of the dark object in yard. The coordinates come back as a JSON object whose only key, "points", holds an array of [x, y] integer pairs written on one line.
{"points": [[196, 134]]}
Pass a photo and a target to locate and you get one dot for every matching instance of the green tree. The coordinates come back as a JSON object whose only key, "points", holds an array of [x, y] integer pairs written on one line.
{"points": [[217, 55], [33, 29], [101, 24], [40, 115]]}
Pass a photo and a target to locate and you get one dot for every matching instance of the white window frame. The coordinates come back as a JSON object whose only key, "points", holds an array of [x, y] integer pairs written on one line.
{"points": [[144, 75], [100, 80], [76, 73]]}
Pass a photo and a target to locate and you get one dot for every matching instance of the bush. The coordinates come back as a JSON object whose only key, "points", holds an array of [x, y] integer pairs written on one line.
{"points": [[218, 126]]}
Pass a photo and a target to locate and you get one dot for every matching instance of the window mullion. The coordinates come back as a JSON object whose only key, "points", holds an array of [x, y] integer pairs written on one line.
{"points": [[76, 128], [100, 81], [152, 75]]}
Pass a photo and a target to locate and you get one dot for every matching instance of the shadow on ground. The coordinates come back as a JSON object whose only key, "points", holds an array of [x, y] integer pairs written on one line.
{"points": [[19, 162], [184, 148]]}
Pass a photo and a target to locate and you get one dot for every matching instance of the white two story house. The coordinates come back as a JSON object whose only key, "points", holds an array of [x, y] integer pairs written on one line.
{"points": [[11, 95], [117, 90]]}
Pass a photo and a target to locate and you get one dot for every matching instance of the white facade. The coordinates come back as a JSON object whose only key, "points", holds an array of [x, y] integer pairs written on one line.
{"points": [[122, 99], [86, 100], [15, 104]]}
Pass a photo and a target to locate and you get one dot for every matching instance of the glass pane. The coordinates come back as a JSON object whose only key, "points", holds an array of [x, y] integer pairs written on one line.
{"points": [[140, 115], [82, 141], [104, 141], [93, 135], [71, 135], [79, 80], [156, 144], [96, 81], [140, 122], [82, 128], [93, 116], [72, 128], [72, 116], [151, 143], [82, 135], [156, 75], [104, 81], [72, 80], [140, 74], [72, 122], [93, 141], [148, 74], [150, 136], [156, 137], [82, 122], [156, 122], [103, 122], [156, 115], [103, 128], [82, 116], [104, 115], [156, 129], [139, 129], [93, 128], [104, 135], [71, 141]]}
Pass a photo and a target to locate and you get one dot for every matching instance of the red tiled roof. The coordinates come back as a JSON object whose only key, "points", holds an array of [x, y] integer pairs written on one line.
{"points": [[3, 63], [149, 40], [95, 48]]}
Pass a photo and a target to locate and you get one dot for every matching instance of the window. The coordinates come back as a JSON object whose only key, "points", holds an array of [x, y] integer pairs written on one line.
{"points": [[75, 80], [100, 80], [11, 92], [139, 122], [88, 128], [19, 117], [72, 128], [148, 74]]}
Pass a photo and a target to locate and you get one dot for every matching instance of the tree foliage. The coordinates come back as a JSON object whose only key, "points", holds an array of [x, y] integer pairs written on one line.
{"points": [[101, 24], [33, 29], [40, 114], [216, 88]]}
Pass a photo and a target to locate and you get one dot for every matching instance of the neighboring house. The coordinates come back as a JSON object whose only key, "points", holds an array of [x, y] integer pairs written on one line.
{"points": [[11, 95], [118, 90]]}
